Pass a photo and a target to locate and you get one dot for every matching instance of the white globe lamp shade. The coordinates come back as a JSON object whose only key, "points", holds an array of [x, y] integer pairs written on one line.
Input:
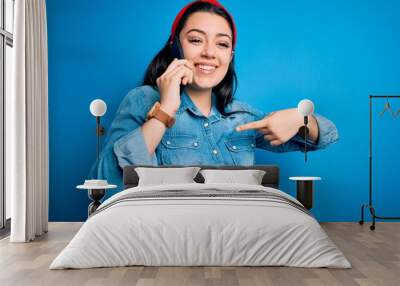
{"points": [[98, 107], [305, 107]]}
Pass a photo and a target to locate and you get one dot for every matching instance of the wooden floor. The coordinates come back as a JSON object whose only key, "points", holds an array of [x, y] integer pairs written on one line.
{"points": [[374, 255]]}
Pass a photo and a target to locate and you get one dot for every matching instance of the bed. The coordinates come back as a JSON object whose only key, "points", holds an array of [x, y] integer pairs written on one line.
{"points": [[201, 224]]}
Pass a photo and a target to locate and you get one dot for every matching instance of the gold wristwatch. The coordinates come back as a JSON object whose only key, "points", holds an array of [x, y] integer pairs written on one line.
{"points": [[157, 113]]}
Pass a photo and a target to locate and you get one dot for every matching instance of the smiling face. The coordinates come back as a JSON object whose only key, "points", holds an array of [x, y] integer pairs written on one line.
{"points": [[206, 40]]}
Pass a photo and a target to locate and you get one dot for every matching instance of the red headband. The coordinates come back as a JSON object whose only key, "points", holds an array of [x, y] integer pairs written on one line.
{"points": [[213, 2]]}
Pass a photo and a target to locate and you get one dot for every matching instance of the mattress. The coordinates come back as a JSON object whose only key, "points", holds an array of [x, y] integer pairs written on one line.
{"points": [[201, 225]]}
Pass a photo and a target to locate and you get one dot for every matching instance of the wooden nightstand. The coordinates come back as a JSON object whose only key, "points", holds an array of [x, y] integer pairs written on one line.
{"points": [[305, 190]]}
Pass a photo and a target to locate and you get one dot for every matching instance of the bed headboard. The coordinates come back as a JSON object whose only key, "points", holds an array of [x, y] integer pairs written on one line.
{"points": [[270, 179]]}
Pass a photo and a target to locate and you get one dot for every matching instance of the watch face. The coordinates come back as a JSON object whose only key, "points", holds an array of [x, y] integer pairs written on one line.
{"points": [[159, 114], [153, 109]]}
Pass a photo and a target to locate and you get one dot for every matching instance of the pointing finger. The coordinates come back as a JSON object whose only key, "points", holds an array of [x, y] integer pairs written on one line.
{"points": [[251, 125]]}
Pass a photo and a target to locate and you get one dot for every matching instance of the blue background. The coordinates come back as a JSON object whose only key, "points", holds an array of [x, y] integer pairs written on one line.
{"points": [[335, 53]]}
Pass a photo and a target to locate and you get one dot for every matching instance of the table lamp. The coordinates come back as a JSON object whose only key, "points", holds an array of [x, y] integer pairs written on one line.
{"points": [[305, 108], [98, 108]]}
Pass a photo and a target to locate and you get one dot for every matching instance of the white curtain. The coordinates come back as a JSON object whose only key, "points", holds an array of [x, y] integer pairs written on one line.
{"points": [[27, 124]]}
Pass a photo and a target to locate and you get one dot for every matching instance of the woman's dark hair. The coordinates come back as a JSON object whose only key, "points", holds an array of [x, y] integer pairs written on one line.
{"points": [[225, 90]]}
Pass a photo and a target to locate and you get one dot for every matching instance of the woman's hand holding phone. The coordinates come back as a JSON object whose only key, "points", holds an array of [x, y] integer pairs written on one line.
{"points": [[178, 72]]}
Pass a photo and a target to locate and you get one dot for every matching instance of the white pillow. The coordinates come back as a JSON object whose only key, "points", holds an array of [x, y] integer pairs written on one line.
{"points": [[249, 177], [163, 176]]}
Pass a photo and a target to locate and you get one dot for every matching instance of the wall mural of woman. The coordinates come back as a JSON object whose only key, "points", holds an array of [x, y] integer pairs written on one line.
{"points": [[185, 112]]}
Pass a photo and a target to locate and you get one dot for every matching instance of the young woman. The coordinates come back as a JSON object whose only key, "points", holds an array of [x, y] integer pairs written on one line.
{"points": [[185, 113]]}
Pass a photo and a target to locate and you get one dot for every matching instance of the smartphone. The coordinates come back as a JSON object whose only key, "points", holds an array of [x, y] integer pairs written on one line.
{"points": [[177, 49], [177, 53]]}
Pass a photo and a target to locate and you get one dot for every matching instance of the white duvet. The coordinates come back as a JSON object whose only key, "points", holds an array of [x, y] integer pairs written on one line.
{"points": [[185, 231]]}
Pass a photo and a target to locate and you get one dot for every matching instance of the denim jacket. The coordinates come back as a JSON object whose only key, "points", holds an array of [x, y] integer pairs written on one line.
{"points": [[194, 139]]}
